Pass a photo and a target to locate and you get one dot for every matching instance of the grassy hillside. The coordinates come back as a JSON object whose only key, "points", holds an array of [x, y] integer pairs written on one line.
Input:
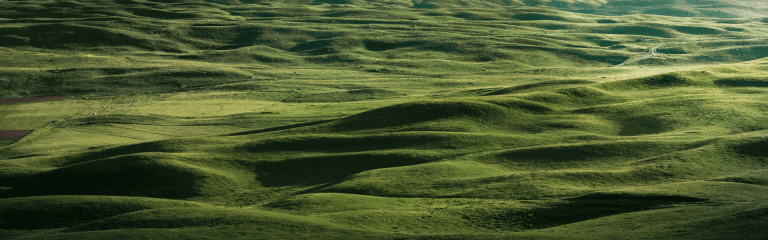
{"points": [[679, 8], [380, 120]]}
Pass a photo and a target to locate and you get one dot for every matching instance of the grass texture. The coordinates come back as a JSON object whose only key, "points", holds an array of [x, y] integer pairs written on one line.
{"points": [[383, 120]]}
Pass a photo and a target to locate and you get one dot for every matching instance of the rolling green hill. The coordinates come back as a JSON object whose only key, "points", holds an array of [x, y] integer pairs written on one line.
{"points": [[679, 8], [383, 120]]}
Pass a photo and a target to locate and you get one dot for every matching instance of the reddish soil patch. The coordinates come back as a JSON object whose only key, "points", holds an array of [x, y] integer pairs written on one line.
{"points": [[9, 136], [32, 99]]}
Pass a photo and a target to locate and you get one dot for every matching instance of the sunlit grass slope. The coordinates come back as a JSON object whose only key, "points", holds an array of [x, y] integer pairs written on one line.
{"points": [[568, 159], [379, 120]]}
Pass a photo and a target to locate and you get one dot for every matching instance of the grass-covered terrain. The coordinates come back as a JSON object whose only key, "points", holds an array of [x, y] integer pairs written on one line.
{"points": [[342, 119]]}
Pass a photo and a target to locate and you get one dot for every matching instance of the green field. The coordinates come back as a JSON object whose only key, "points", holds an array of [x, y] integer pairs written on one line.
{"points": [[388, 119]]}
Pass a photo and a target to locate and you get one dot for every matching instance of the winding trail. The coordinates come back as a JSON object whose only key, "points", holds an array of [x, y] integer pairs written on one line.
{"points": [[637, 59]]}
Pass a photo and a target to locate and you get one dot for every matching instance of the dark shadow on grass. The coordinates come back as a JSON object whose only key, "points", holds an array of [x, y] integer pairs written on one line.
{"points": [[41, 212], [523, 87], [583, 208], [155, 146], [347, 96], [607, 21], [637, 30], [754, 149], [612, 151], [341, 144], [742, 83], [416, 112], [698, 30], [537, 16], [375, 45], [131, 175], [311, 45], [645, 125], [160, 14], [59, 35], [607, 43], [319, 170], [657, 81], [671, 50], [280, 128]]}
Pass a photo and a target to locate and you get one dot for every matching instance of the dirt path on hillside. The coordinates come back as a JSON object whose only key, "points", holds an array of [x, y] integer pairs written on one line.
{"points": [[653, 53]]}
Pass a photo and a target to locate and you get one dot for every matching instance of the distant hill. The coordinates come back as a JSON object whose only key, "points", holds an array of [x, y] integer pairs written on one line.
{"points": [[677, 8]]}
